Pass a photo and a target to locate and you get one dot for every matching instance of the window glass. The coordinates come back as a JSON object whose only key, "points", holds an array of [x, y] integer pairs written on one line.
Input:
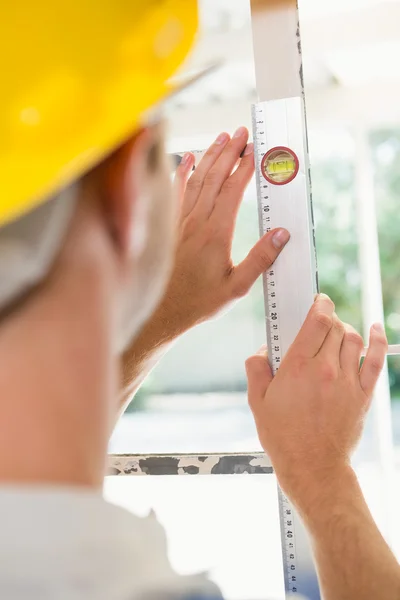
{"points": [[195, 399], [226, 526]]}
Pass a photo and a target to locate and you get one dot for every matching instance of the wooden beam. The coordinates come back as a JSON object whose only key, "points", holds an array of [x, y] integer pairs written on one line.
{"points": [[277, 49]]}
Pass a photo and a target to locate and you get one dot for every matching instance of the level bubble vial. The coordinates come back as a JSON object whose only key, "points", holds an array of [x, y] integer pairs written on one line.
{"points": [[279, 165]]}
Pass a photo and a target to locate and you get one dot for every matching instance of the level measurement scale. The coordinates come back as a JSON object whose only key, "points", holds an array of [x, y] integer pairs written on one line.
{"points": [[283, 191], [284, 200]]}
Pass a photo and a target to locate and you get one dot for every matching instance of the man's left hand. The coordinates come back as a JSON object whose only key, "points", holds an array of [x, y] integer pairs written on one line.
{"points": [[204, 279]]}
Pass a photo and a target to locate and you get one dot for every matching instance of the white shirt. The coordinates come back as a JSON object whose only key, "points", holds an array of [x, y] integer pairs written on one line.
{"points": [[64, 544]]}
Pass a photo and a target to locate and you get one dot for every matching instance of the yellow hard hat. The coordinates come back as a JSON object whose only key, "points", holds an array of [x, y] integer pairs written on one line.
{"points": [[76, 77]]}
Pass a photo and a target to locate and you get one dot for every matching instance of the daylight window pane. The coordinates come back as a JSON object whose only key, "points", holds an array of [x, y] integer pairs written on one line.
{"points": [[227, 526]]}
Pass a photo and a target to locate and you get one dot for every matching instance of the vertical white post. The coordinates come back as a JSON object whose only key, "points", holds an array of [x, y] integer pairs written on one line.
{"points": [[372, 309], [277, 49], [279, 121]]}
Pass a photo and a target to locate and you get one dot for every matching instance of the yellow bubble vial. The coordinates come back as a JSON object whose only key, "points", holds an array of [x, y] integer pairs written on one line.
{"points": [[279, 165]]}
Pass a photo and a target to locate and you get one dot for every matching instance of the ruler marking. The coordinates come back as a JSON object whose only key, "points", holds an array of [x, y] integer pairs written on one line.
{"points": [[287, 291], [273, 336]]}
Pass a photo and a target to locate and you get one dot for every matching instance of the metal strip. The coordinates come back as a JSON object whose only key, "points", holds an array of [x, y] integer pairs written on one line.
{"points": [[189, 464], [289, 288], [277, 49], [290, 285]]}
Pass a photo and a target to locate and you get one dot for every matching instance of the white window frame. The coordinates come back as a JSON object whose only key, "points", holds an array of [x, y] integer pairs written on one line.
{"points": [[372, 311]]}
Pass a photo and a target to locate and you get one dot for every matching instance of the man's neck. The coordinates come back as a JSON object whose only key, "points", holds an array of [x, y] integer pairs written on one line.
{"points": [[56, 379]]}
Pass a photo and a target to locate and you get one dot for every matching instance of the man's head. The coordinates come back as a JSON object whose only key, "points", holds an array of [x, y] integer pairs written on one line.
{"points": [[86, 225], [129, 203], [79, 79]]}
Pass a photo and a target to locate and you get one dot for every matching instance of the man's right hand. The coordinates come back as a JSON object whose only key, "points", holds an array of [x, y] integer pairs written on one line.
{"points": [[310, 416]]}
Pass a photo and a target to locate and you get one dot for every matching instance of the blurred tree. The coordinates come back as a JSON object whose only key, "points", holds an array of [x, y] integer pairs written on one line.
{"points": [[385, 148], [336, 238]]}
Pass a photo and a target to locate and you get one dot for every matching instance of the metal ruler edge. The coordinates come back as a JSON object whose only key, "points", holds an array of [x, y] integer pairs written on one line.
{"points": [[289, 288]]}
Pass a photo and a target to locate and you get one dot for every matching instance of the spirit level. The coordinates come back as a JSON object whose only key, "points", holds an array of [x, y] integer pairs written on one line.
{"points": [[284, 200]]}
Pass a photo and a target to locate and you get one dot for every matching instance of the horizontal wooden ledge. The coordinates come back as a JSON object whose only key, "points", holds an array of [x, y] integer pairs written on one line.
{"points": [[256, 463]]}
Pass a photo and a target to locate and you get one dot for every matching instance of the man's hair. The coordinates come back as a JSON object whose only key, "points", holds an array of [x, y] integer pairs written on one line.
{"points": [[29, 245]]}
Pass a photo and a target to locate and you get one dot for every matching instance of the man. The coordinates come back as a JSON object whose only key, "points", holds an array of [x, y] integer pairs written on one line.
{"points": [[86, 247]]}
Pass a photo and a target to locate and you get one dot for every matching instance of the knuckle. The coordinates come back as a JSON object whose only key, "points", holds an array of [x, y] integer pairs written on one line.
{"points": [[252, 362], [249, 362], [263, 258], [376, 365], [190, 227], [382, 340], [330, 303], [323, 320], [298, 364], [338, 327], [328, 372], [354, 338], [212, 178], [194, 184], [230, 185], [212, 153]]}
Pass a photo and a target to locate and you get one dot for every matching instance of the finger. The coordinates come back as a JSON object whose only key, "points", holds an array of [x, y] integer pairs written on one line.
{"points": [[195, 183], [219, 172], [315, 328], [330, 349], [350, 353], [258, 260], [182, 175], [374, 360], [259, 376], [230, 198]]}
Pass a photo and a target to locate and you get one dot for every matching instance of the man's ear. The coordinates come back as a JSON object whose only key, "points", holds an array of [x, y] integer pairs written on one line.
{"points": [[123, 182]]}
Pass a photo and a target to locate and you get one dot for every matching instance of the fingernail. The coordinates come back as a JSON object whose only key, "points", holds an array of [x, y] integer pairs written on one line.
{"points": [[222, 138], [378, 327], [239, 132], [249, 149], [186, 159], [280, 238]]}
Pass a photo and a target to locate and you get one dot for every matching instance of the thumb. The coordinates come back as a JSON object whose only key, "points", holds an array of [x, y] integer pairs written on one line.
{"points": [[259, 376], [259, 259]]}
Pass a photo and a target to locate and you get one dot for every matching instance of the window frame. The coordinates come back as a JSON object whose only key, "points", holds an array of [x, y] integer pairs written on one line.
{"points": [[232, 463]]}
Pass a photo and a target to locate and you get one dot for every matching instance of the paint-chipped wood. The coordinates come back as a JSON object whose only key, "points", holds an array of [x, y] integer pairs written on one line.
{"points": [[189, 464]]}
